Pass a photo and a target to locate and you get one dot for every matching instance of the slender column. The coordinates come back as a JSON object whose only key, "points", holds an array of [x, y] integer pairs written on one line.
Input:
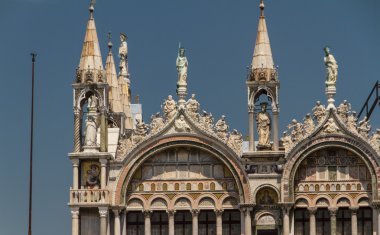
{"points": [[124, 231], [248, 221], [147, 215], [242, 221], [117, 228], [313, 228], [75, 220], [171, 221], [275, 130], [103, 173], [219, 222], [75, 173], [103, 132], [333, 212], [251, 116], [354, 220], [77, 131], [195, 214], [103, 212], [285, 223]]}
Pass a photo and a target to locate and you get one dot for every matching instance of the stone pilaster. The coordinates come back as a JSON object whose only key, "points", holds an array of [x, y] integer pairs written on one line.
{"points": [[124, 229], [117, 228], [195, 214], [74, 220], [171, 221], [333, 212], [242, 221], [147, 215], [103, 213], [219, 222], [75, 173], [354, 220], [248, 221], [313, 228], [286, 213]]}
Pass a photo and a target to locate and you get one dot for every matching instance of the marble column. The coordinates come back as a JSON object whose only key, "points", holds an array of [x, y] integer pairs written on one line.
{"points": [[354, 220], [147, 215], [74, 220], [77, 130], [313, 228], [117, 228], [103, 173], [103, 212], [195, 214], [124, 229], [285, 223], [251, 116], [171, 221], [275, 130], [103, 132], [219, 221], [75, 173], [333, 212], [242, 221], [248, 221]]}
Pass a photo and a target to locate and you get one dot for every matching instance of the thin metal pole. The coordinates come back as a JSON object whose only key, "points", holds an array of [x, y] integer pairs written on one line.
{"points": [[33, 54]]}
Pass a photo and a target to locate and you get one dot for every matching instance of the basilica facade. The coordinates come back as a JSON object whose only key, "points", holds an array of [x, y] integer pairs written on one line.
{"points": [[186, 173]]}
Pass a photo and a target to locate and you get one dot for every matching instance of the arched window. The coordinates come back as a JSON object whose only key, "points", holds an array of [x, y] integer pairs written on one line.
{"points": [[165, 187], [188, 186], [200, 186], [176, 186], [212, 186]]}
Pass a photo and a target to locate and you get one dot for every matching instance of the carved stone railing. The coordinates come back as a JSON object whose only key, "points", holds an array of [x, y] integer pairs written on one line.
{"points": [[89, 197]]}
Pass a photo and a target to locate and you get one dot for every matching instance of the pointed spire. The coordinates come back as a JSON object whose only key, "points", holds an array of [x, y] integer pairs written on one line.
{"points": [[111, 76], [262, 55], [91, 65]]}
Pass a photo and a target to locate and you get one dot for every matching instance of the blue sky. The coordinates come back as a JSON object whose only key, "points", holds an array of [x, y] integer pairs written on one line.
{"points": [[219, 36]]}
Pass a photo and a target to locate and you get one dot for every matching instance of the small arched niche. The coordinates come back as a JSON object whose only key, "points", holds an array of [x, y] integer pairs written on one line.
{"points": [[266, 196]]}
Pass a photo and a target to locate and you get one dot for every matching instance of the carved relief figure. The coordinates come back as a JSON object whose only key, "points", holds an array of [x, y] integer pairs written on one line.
{"points": [[140, 132], [156, 122], [330, 126], [286, 141], [169, 108], [181, 125], [364, 127], [343, 110], [351, 122], [192, 106], [263, 126], [319, 112], [308, 124], [182, 65], [93, 176], [235, 140], [221, 128], [296, 130], [206, 120], [91, 131], [331, 67], [375, 140]]}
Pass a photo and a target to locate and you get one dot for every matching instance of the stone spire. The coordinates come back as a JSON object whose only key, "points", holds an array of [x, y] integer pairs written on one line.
{"points": [[262, 67], [90, 66], [124, 82], [111, 75]]}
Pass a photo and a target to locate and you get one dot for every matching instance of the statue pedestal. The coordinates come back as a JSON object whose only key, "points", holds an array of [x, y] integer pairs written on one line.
{"points": [[91, 149], [330, 93], [182, 93], [263, 147]]}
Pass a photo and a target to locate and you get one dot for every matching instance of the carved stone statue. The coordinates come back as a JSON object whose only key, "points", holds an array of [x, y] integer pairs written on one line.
{"points": [[192, 106], [221, 128], [296, 130], [375, 140], [263, 126], [308, 124], [286, 141], [123, 54], [351, 122], [156, 122], [182, 65], [181, 125], [331, 67], [319, 112], [140, 132], [343, 110], [206, 120], [235, 141], [91, 132], [330, 126], [169, 108], [364, 127]]}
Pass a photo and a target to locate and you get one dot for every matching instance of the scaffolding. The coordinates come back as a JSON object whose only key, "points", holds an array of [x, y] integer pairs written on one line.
{"points": [[371, 102]]}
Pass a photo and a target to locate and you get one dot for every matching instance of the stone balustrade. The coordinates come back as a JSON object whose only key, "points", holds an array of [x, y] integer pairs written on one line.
{"points": [[89, 196]]}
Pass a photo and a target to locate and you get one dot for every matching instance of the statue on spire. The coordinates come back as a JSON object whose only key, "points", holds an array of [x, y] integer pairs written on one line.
{"points": [[123, 54], [182, 65], [331, 67]]}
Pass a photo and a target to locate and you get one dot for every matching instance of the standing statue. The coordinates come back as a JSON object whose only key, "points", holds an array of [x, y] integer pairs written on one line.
{"points": [[296, 130], [308, 124], [343, 110], [221, 128], [263, 126], [91, 132], [331, 67], [364, 127], [182, 65], [192, 106], [169, 108], [123, 54], [319, 112]]}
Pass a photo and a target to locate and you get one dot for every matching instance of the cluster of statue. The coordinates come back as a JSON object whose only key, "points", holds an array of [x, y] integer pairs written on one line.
{"points": [[123, 54]]}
